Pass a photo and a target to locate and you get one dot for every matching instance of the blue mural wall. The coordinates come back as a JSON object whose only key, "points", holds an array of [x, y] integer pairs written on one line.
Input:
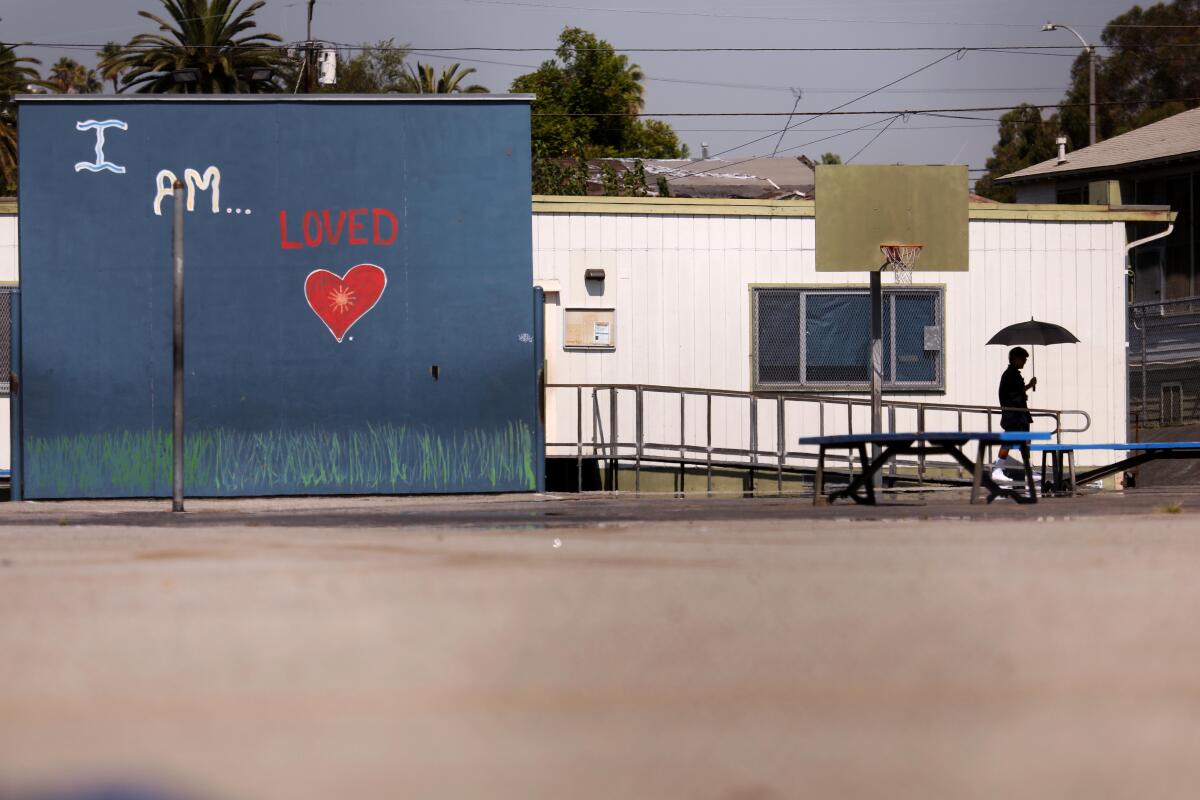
{"points": [[336, 252]]}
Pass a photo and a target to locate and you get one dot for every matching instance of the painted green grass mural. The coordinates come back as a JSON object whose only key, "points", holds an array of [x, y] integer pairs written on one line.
{"points": [[379, 458]]}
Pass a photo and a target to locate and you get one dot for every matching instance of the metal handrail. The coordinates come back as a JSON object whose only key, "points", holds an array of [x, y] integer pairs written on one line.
{"points": [[780, 459]]}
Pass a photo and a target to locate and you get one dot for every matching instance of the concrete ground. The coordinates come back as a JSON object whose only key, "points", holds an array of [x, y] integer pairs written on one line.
{"points": [[530, 647]]}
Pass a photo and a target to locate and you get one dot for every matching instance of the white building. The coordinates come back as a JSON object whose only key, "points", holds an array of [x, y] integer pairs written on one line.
{"points": [[681, 278], [678, 295]]}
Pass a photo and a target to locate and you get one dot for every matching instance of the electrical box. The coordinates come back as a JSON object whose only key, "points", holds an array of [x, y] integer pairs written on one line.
{"points": [[590, 329]]}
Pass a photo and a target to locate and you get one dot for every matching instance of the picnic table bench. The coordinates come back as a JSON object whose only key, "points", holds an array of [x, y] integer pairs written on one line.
{"points": [[862, 487], [1067, 481]]}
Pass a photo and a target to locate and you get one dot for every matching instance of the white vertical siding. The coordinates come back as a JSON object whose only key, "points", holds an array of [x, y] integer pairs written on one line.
{"points": [[681, 287]]}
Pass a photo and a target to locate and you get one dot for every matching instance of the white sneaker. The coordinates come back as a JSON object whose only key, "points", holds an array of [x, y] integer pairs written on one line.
{"points": [[999, 477]]}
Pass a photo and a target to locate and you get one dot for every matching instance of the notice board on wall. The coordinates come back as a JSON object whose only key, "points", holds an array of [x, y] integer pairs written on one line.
{"points": [[358, 295]]}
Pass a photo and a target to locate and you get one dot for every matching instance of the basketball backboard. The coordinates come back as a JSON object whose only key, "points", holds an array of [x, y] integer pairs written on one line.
{"points": [[859, 208]]}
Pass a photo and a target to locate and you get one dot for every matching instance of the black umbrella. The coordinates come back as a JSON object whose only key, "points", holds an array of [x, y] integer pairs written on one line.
{"points": [[1034, 332]]}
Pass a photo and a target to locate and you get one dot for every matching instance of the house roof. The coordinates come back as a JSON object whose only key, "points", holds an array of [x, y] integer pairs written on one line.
{"points": [[763, 177], [1174, 137]]}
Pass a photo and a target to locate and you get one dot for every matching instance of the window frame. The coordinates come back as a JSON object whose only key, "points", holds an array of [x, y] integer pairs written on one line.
{"points": [[936, 386]]}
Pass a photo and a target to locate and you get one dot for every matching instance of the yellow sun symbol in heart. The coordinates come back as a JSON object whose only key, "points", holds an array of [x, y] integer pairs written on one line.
{"points": [[341, 299]]}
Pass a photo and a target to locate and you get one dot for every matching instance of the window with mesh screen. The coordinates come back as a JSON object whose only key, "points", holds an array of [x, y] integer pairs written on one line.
{"points": [[820, 339]]}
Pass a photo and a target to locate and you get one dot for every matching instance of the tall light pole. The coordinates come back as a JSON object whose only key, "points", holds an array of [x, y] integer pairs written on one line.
{"points": [[1091, 54]]}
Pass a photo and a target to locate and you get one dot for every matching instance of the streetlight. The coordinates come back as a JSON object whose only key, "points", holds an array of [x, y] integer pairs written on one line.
{"points": [[1091, 53]]}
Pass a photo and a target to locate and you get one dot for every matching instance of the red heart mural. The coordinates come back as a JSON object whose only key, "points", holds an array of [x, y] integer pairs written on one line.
{"points": [[342, 301]]}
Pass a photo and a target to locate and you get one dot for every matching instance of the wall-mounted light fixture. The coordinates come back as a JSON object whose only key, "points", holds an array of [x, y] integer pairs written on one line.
{"points": [[593, 275]]}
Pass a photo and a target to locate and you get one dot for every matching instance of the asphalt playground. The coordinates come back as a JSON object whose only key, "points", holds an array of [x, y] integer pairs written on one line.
{"points": [[599, 647]]}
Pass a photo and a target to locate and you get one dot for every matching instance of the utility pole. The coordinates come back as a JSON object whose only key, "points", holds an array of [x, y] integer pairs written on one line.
{"points": [[310, 61]]}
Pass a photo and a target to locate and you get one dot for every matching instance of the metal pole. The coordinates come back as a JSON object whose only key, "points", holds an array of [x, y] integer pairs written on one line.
{"points": [[682, 442], [876, 361], [1091, 51], [612, 436], [310, 78], [708, 425], [637, 464], [579, 438], [177, 347], [780, 440], [1144, 414]]}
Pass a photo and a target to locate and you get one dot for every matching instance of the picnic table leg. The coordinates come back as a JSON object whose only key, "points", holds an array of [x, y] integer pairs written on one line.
{"points": [[1045, 455], [1071, 462], [979, 462], [861, 490], [866, 464], [1029, 482], [819, 480]]}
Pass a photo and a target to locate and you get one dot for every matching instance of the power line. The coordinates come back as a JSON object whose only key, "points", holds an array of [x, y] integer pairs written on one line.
{"points": [[873, 138], [835, 20], [759, 86], [890, 112], [788, 126], [833, 130], [1028, 49], [683, 13]]}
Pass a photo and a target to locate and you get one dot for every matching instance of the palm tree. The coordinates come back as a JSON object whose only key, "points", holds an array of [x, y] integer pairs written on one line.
{"points": [[207, 38], [68, 76], [424, 82], [109, 66], [17, 74]]}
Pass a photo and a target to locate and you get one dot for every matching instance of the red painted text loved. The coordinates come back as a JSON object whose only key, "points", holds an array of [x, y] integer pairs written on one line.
{"points": [[358, 225]]}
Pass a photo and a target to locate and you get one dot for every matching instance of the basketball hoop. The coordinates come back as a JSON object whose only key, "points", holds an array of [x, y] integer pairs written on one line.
{"points": [[901, 258]]}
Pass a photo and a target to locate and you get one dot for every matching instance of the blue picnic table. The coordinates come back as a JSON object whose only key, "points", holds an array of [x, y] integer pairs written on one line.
{"points": [[1066, 481], [950, 443]]}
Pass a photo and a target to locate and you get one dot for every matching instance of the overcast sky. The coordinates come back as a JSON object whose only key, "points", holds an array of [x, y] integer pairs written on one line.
{"points": [[702, 82]]}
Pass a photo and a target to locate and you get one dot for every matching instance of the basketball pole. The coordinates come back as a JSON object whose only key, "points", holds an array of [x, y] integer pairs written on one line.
{"points": [[876, 362]]}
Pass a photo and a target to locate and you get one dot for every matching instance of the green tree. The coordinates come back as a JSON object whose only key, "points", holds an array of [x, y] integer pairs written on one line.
{"points": [[831, 158], [209, 36], [602, 92], [1025, 138], [654, 138], [426, 81], [108, 55], [373, 69], [68, 76], [17, 74], [1149, 71]]}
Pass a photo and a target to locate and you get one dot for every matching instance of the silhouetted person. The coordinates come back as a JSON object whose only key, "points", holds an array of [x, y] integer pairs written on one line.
{"points": [[1015, 402]]}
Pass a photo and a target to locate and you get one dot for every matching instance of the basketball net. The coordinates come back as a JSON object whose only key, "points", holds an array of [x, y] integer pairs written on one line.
{"points": [[901, 258]]}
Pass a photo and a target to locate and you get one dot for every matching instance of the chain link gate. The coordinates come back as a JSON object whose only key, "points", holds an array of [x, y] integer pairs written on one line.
{"points": [[1164, 364]]}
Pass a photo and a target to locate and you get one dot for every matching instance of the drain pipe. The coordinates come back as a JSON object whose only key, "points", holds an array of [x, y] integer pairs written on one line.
{"points": [[1138, 243], [1128, 282]]}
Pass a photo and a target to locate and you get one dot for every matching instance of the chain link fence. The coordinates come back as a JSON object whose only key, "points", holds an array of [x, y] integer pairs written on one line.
{"points": [[1164, 364], [819, 339], [7, 295]]}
